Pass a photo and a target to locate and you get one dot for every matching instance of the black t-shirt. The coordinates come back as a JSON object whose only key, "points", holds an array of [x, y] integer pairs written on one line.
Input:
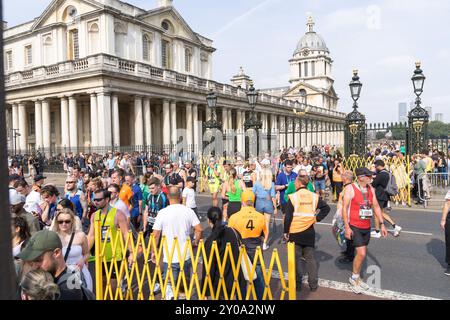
{"points": [[68, 286], [173, 179], [319, 169], [247, 177]]}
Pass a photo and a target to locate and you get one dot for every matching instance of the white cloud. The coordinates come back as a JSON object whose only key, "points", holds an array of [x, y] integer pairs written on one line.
{"points": [[400, 61]]}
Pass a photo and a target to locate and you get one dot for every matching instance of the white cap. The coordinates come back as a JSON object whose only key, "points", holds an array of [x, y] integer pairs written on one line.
{"points": [[265, 162]]}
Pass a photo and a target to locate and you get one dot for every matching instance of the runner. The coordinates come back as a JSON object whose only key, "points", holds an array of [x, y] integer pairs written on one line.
{"points": [[249, 175], [445, 225], [77, 198], [361, 203], [301, 215], [380, 183], [115, 202], [191, 172], [156, 200], [171, 179], [231, 191], [135, 201], [266, 202], [125, 191], [213, 174], [282, 182], [189, 195], [319, 173]]}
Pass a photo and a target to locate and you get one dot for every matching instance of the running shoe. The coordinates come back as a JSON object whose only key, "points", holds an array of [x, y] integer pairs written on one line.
{"points": [[397, 231], [447, 272], [265, 246], [355, 286], [375, 234], [169, 293], [156, 288]]}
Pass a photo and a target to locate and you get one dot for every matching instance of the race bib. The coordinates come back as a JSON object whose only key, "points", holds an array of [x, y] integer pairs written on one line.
{"points": [[247, 178], [212, 180], [151, 220], [365, 214], [105, 233]]}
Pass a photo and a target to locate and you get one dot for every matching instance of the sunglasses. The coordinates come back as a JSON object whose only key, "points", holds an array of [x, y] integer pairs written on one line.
{"points": [[64, 221], [98, 199], [67, 182], [303, 176]]}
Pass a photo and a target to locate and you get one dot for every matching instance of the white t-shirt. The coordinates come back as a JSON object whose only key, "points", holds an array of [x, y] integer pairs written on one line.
{"points": [[173, 221], [32, 202], [307, 168], [121, 206], [189, 194]]}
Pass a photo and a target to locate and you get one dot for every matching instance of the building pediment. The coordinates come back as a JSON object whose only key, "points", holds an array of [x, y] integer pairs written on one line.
{"points": [[294, 91], [64, 11], [180, 27]]}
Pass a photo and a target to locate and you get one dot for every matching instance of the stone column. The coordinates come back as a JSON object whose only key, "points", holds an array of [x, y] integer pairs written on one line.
{"points": [[15, 116], [224, 120], [173, 122], [148, 125], [115, 119], [197, 127], [94, 120], [23, 139], [105, 116], [73, 123], [38, 124], [138, 122], [189, 139], [282, 124], [243, 133], [46, 129], [239, 130], [65, 135], [166, 123]]}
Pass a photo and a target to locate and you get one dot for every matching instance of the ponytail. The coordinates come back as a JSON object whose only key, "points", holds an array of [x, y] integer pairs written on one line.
{"points": [[215, 216]]}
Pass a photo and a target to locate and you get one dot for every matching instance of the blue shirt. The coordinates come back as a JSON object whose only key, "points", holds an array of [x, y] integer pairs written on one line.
{"points": [[262, 193], [111, 163], [137, 196], [283, 180]]}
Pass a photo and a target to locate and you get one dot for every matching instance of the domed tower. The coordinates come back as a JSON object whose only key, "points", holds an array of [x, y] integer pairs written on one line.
{"points": [[311, 71]]}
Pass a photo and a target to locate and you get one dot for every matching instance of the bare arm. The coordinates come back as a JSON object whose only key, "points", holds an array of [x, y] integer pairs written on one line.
{"points": [[378, 213], [123, 226], [445, 213], [348, 196], [144, 219], [83, 203], [91, 236], [198, 233], [224, 190]]}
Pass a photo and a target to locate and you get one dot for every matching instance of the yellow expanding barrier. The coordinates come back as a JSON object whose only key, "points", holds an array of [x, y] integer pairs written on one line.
{"points": [[400, 167], [137, 281]]}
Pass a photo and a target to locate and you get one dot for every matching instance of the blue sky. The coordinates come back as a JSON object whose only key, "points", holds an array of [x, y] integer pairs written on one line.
{"points": [[381, 38]]}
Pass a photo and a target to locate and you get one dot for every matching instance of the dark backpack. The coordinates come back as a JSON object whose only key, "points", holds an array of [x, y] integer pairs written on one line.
{"points": [[87, 294], [391, 188]]}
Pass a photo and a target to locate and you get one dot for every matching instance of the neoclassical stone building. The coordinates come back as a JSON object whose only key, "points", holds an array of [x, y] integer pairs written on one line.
{"points": [[104, 73]]}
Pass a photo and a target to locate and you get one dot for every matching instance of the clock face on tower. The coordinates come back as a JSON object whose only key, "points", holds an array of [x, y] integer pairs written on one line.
{"points": [[305, 52]]}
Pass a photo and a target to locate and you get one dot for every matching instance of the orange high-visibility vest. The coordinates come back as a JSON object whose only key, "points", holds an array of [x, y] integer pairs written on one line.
{"points": [[305, 206]]}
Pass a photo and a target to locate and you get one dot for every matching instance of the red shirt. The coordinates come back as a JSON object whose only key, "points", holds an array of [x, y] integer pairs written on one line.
{"points": [[356, 204]]}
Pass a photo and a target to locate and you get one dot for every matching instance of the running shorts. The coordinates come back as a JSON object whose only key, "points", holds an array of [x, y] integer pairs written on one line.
{"points": [[361, 237]]}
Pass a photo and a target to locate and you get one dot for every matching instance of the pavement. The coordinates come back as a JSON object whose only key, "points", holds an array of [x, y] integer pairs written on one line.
{"points": [[409, 267]]}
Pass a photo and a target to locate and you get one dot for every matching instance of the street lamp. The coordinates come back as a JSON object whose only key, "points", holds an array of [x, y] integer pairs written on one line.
{"points": [[212, 123], [252, 123], [355, 122], [418, 117], [15, 135]]}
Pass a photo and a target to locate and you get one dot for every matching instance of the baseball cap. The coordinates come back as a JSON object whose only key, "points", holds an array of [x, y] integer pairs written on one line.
{"points": [[41, 242], [14, 177], [15, 198], [363, 172], [247, 195], [39, 177]]}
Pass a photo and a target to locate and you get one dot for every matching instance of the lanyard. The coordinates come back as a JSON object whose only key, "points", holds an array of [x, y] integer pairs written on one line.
{"points": [[106, 216], [288, 178], [364, 197], [153, 202]]}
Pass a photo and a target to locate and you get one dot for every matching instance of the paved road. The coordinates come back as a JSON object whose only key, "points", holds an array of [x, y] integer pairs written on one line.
{"points": [[411, 264]]}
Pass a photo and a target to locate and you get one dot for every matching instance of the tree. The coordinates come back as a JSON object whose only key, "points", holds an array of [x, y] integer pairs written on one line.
{"points": [[438, 129]]}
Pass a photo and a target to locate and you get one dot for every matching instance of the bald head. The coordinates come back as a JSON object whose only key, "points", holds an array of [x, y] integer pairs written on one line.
{"points": [[174, 195], [347, 176]]}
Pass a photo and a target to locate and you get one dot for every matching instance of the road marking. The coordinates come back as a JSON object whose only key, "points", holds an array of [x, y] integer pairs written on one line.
{"points": [[374, 292], [391, 230]]}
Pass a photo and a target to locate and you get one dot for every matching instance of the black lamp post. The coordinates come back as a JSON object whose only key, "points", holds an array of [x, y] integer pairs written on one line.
{"points": [[15, 135], [418, 117], [212, 124], [355, 122], [252, 123]]}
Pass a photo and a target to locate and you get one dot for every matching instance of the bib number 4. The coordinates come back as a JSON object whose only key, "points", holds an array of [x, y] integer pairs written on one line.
{"points": [[250, 225]]}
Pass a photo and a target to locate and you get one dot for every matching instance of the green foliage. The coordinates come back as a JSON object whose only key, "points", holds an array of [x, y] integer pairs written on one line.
{"points": [[438, 129]]}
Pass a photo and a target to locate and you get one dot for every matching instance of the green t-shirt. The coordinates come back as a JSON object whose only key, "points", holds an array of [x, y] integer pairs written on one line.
{"points": [[145, 193], [291, 189]]}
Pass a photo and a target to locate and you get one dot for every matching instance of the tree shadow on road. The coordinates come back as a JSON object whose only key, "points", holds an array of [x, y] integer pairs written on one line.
{"points": [[436, 248]]}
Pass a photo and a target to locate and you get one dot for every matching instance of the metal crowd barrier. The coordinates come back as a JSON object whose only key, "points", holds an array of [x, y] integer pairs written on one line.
{"points": [[138, 281], [432, 187], [400, 168]]}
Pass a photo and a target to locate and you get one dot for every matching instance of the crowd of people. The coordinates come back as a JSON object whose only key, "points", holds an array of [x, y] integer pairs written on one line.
{"points": [[53, 230]]}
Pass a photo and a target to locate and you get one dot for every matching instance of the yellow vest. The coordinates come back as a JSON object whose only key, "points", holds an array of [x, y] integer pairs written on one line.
{"points": [[305, 205], [108, 222]]}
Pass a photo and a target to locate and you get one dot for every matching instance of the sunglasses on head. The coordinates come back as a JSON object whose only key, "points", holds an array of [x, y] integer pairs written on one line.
{"points": [[64, 221]]}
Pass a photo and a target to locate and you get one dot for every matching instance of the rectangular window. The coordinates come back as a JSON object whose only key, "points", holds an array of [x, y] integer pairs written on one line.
{"points": [[313, 69], [325, 67], [28, 55], [187, 60], [74, 51], [52, 123], [300, 70], [165, 54], [306, 69], [146, 48], [8, 61], [32, 124]]}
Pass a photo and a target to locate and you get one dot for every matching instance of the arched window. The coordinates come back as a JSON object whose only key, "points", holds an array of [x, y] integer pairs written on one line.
{"points": [[94, 41], [188, 60], [120, 35], [48, 52], [166, 54], [146, 48], [74, 49]]}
